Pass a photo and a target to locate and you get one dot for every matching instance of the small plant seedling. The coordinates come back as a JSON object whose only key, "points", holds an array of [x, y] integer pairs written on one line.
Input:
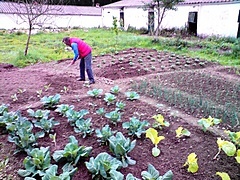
{"points": [[180, 132], [39, 93], [65, 89], [109, 98], [100, 111], [20, 91], [234, 137], [228, 147], [192, 163], [238, 156], [153, 174], [14, 97], [46, 87], [160, 122], [104, 133], [115, 89], [208, 122], [223, 175], [152, 134], [53, 137], [95, 92], [132, 95], [120, 105]]}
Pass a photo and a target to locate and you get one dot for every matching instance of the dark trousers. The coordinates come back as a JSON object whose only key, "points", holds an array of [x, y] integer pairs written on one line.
{"points": [[86, 63]]}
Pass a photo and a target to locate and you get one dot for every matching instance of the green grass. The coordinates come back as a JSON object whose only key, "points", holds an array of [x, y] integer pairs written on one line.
{"points": [[45, 47]]}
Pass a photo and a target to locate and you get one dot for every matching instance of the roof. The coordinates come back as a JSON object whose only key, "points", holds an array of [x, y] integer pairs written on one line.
{"points": [[15, 8], [134, 3]]}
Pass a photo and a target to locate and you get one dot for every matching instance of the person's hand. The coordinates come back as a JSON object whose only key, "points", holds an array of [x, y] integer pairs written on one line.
{"points": [[72, 62]]}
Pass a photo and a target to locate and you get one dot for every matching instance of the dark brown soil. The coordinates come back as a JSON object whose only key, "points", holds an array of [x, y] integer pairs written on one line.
{"points": [[125, 69]]}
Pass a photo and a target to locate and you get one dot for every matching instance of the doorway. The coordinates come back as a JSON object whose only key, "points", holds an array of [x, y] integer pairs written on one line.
{"points": [[121, 18], [238, 33], [192, 23], [151, 22]]}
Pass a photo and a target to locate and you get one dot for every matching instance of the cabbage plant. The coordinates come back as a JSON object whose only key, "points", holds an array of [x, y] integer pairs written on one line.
{"points": [[135, 127], [104, 133], [153, 174], [104, 166], [120, 146], [51, 101], [36, 162], [72, 152]]}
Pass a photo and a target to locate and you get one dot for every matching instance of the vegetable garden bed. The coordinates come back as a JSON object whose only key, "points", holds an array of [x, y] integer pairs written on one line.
{"points": [[152, 95]]}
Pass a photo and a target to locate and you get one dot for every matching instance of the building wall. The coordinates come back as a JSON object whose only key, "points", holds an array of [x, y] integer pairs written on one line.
{"points": [[213, 19], [108, 14], [135, 17], [12, 21]]}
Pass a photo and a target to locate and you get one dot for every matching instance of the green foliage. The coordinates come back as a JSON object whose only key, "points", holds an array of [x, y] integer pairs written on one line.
{"points": [[109, 98], [135, 126], [84, 127], [104, 134], [51, 101], [36, 163], [51, 48], [63, 108], [115, 89], [223, 175], [192, 163], [120, 105], [38, 114], [208, 122], [180, 132], [114, 116], [52, 171], [45, 124], [8, 118], [152, 134], [228, 147], [153, 174], [73, 115], [132, 95], [104, 166], [72, 152], [95, 92], [120, 146], [21, 134], [3, 108], [234, 137], [160, 122], [100, 111], [115, 26], [131, 177]]}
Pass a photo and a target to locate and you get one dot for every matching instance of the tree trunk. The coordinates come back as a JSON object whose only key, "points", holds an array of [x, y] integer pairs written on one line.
{"points": [[160, 18], [28, 39]]}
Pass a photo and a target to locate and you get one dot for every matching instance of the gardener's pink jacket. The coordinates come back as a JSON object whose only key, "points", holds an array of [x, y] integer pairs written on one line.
{"points": [[80, 48]]}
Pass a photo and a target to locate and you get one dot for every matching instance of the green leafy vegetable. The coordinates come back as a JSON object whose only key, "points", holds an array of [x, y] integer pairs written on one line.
{"points": [[104, 133], [104, 166], [36, 163], [84, 127], [132, 95], [72, 152], [121, 146], [206, 123], [153, 174], [135, 126], [51, 101]]}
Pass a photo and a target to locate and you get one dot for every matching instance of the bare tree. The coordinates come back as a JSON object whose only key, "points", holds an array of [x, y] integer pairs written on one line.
{"points": [[161, 6], [36, 13]]}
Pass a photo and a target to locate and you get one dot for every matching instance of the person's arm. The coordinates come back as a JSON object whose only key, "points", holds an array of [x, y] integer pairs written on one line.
{"points": [[75, 51]]}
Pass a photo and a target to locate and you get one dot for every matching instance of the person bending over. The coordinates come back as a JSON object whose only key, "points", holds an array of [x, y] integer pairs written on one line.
{"points": [[83, 52]]}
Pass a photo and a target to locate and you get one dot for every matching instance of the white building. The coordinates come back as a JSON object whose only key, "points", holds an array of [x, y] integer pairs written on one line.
{"points": [[65, 16], [203, 17]]}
